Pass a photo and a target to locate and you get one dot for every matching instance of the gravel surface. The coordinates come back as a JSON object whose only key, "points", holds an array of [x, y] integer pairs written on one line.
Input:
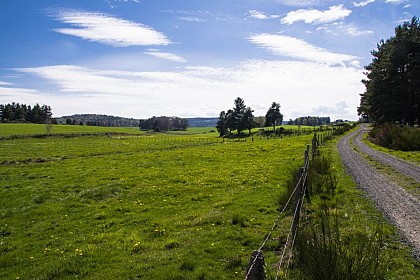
{"points": [[409, 169], [401, 208]]}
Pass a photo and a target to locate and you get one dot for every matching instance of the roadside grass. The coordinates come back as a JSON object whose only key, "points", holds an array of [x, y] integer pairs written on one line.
{"points": [[412, 156], [358, 216], [407, 183], [98, 207], [343, 235]]}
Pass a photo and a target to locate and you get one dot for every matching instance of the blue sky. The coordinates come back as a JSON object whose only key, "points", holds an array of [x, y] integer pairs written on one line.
{"points": [[192, 58]]}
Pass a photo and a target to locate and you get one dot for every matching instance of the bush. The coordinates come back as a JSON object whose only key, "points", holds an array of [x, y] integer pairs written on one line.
{"points": [[396, 137], [325, 253]]}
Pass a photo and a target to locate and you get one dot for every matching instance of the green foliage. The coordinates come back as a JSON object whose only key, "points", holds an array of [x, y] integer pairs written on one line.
{"points": [[312, 121], [239, 118], [164, 124], [273, 116], [16, 112], [392, 91], [396, 137]]}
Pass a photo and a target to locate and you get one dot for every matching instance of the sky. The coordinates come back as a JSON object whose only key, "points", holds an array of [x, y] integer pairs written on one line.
{"points": [[192, 58]]}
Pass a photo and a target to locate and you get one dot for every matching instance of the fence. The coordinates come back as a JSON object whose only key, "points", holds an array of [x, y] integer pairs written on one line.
{"points": [[256, 266]]}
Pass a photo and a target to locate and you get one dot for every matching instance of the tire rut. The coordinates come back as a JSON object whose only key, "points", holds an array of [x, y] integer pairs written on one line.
{"points": [[401, 208]]}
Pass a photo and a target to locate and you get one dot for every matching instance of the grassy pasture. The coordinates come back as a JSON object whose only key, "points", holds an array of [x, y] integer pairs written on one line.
{"points": [[99, 207], [8, 129]]}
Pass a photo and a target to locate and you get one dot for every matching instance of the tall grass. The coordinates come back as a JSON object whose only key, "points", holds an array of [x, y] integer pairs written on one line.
{"points": [[323, 250], [325, 253]]}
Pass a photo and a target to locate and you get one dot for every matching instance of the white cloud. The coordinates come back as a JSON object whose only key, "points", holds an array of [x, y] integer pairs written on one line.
{"points": [[12, 92], [260, 15], [395, 2], [165, 55], [191, 18], [297, 48], [4, 83], [364, 3], [300, 3], [313, 16], [354, 31], [109, 30], [335, 109], [201, 90]]}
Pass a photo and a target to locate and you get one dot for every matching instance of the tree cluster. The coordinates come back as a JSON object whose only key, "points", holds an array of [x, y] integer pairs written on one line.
{"points": [[392, 87], [164, 124], [239, 118], [98, 120], [16, 112], [273, 116], [311, 121]]}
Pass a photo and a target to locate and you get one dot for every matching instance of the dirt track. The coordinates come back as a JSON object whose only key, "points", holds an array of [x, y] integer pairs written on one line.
{"points": [[401, 208]]}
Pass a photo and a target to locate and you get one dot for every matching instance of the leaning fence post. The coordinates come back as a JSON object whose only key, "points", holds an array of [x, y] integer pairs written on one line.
{"points": [[256, 267]]}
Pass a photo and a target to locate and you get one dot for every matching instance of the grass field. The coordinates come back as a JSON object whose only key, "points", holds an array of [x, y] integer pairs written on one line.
{"points": [[102, 207], [123, 208]]}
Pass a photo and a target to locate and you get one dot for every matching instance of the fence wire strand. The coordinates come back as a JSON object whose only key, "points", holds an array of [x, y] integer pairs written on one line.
{"points": [[302, 177], [300, 203], [273, 227], [297, 210]]}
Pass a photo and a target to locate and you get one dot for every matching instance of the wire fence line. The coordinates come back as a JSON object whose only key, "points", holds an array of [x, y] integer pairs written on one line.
{"points": [[256, 266]]}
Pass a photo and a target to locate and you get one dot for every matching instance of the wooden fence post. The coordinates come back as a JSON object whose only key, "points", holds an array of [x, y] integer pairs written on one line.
{"points": [[298, 201], [256, 267]]}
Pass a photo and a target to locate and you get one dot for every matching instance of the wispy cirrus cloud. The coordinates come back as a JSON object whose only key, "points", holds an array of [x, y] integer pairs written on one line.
{"points": [[300, 3], [314, 16], [260, 15], [395, 2], [296, 48], [165, 55], [364, 3], [106, 29], [7, 90], [191, 19]]}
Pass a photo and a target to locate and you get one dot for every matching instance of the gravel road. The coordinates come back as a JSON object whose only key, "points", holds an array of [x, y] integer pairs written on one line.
{"points": [[401, 208]]}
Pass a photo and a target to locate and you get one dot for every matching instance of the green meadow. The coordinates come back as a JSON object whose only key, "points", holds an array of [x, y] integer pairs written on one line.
{"points": [[136, 205], [103, 207]]}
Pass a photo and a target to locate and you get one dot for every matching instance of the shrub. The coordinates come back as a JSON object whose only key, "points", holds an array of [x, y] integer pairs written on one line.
{"points": [[325, 253], [396, 137]]}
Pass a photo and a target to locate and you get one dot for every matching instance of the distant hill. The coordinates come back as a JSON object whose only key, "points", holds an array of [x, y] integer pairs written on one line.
{"points": [[202, 122], [105, 120]]}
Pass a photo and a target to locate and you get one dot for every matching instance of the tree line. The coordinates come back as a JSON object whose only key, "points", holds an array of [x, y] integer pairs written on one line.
{"points": [[392, 86], [164, 124], [241, 118], [98, 120], [311, 121], [16, 112]]}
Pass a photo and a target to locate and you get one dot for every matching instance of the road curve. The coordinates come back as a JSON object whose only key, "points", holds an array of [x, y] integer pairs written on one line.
{"points": [[404, 167], [401, 208]]}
